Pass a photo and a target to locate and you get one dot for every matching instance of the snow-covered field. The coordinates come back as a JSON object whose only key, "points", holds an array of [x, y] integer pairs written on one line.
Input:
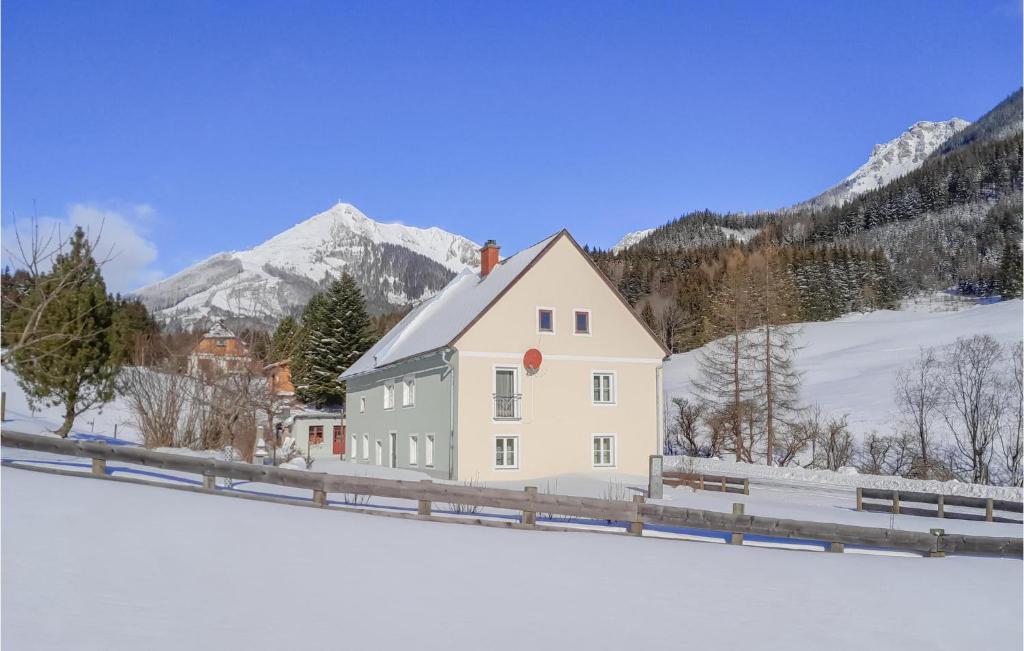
{"points": [[98, 565], [849, 365]]}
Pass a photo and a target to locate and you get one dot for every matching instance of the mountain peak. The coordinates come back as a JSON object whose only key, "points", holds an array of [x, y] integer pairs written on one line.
{"points": [[889, 160], [394, 265]]}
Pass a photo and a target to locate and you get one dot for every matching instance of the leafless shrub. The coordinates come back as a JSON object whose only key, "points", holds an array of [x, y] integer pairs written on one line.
{"points": [[792, 441], [615, 490], [833, 445], [468, 509], [889, 455], [161, 406]]}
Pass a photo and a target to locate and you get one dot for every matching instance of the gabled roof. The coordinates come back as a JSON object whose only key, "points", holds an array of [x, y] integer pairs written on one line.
{"points": [[440, 320], [219, 331]]}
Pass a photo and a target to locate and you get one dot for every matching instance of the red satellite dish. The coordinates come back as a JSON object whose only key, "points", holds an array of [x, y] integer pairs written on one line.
{"points": [[532, 359]]}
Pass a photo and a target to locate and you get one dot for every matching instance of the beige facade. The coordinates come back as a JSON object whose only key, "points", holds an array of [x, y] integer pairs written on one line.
{"points": [[555, 419]]}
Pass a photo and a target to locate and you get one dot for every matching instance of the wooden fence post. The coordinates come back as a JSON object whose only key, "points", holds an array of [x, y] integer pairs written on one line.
{"points": [[655, 490], [941, 506], [836, 547], [723, 484], [3, 405], [99, 467], [319, 497], [636, 527], [936, 552], [736, 538], [702, 481], [860, 499], [746, 487], [423, 507], [529, 517], [895, 501], [988, 510], [210, 482]]}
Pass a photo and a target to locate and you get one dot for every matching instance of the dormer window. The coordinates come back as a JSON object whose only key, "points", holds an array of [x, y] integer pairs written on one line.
{"points": [[581, 322], [545, 320]]}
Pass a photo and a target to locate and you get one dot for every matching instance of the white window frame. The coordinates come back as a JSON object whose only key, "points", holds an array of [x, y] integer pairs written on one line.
{"points": [[366, 447], [517, 390], [612, 451], [613, 389], [378, 452], [409, 391], [353, 450], [389, 395], [517, 452], [536, 320], [428, 450], [362, 404], [590, 321], [414, 450]]}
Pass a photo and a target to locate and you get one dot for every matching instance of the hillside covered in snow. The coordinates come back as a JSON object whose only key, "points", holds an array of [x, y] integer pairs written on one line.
{"points": [[393, 264], [849, 365]]}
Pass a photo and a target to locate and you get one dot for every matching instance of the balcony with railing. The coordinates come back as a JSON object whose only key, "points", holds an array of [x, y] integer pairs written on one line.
{"points": [[506, 407]]}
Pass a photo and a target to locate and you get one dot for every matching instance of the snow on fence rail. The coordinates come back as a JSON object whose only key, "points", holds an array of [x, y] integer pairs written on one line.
{"points": [[634, 514], [894, 500], [701, 481]]}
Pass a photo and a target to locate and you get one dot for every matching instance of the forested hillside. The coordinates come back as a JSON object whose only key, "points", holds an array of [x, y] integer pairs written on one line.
{"points": [[953, 222]]}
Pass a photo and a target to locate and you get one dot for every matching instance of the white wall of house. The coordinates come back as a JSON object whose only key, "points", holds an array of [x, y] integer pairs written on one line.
{"points": [[300, 431]]}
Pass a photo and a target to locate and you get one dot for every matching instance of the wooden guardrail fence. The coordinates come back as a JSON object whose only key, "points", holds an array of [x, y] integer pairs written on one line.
{"points": [[894, 501], [707, 482], [634, 514]]}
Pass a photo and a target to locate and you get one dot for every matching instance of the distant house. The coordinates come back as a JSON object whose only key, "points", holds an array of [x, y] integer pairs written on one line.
{"points": [[317, 432], [279, 376], [219, 351], [533, 366]]}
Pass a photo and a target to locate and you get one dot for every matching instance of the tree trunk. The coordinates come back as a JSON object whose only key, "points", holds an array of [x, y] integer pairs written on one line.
{"points": [[69, 420], [768, 389]]}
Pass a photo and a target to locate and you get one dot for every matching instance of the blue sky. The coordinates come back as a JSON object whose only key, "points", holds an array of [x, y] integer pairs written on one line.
{"points": [[192, 127]]}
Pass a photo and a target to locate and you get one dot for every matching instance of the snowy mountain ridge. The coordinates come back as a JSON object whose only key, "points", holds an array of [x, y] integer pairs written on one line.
{"points": [[629, 239], [394, 264], [889, 161]]}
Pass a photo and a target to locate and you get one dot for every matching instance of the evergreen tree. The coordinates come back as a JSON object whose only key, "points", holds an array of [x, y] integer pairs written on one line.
{"points": [[285, 340], [131, 323], [73, 362], [337, 330], [1010, 270]]}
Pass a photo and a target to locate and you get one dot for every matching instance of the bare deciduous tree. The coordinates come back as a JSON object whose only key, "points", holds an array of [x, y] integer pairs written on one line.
{"points": [[973, 403], [918, 396], [1011, 442]]}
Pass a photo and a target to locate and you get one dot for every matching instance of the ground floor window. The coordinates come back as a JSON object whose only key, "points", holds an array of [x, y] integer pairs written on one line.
{"points": [[428, 450], [414, 449], [506, 452], [366, 447], [379, 459], [354, 447], [604, 450], [316, 434]]}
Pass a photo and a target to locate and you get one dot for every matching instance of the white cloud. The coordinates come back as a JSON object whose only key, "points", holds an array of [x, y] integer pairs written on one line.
{"points": [[120, 240]]}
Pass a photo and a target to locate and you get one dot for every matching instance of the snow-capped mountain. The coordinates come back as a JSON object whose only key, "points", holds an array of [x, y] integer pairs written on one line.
{"points": [[629, 239], [394, 265], [889, 161]]}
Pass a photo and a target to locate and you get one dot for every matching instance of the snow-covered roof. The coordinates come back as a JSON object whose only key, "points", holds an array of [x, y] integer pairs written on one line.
{"points": [[219, 331], [436, 322]]}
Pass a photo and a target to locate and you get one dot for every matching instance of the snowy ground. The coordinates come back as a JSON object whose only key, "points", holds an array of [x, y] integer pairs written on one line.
{"points": [[850, 364], [98, 565]]}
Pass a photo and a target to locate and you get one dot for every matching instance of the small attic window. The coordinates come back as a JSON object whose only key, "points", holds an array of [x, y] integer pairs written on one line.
{"points": [[222, 342], [545, 320]]}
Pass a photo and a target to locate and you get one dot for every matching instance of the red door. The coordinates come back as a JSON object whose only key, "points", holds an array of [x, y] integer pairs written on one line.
{"points": [[339, 439]]}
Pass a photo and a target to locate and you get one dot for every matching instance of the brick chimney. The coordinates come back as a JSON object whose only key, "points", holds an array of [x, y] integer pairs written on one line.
{"points": [[488, 257]]}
